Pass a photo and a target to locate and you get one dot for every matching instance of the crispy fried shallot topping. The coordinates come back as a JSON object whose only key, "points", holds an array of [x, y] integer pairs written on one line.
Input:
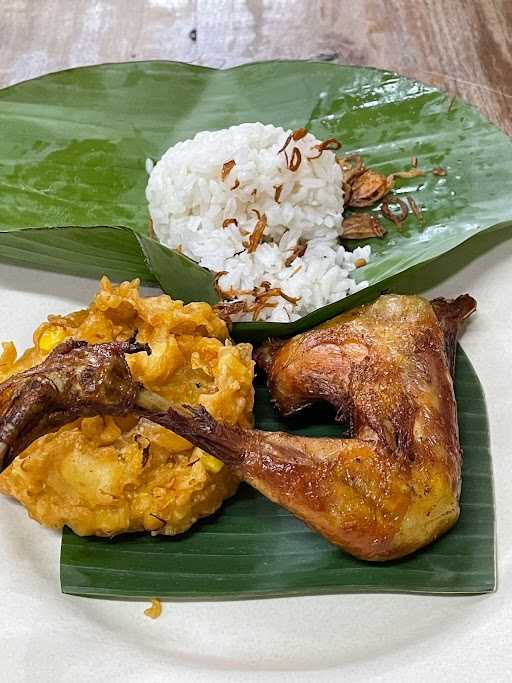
{"points": [[412, 173], [231, 304], [226, 168], [257, 234], [364, 187], [368, 188], [331, 144], [229, 221], [298, 251], [295, 135], [352, 167], [262, 299], [294, 163], [227, 309], [416, 211], [259, 307], [277, 291], [396, 218], [299, 134], [286, 143], [361, 226], [216, 285], [277, 194], [295, 160]]}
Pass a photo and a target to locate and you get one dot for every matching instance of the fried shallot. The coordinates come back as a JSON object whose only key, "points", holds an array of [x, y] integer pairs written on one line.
{"points": [[362, 226]]}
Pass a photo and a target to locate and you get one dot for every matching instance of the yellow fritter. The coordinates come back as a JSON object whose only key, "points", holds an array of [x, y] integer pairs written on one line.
{"points": [[107, 475]]}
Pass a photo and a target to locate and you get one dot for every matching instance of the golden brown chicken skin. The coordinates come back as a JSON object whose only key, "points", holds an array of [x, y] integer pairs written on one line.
{"points": [[394, 487]]}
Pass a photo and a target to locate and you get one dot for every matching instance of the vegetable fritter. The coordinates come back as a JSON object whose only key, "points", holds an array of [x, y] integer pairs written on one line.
{"points": [[107, 475]]}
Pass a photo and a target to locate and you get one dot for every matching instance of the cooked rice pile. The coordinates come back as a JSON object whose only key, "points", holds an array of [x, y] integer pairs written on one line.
{"points": [[262, 209], [108, 475]]}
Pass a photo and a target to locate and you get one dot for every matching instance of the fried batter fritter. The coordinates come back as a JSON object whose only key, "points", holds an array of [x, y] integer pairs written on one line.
{"points": [[107, 475]]}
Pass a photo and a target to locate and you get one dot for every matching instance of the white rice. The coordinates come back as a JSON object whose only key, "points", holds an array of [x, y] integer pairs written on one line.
{"points": [[189, 202]]}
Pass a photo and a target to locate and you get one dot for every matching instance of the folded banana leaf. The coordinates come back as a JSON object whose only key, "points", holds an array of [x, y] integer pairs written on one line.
{"points": [[252, 548], [73, 150], [74, 146]]}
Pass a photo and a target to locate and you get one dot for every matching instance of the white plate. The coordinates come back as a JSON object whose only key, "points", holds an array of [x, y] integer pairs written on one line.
{"points": [[47, 636]]}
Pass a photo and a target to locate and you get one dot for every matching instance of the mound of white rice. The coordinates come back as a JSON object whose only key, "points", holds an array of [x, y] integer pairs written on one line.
{"points": [[206, 196]]}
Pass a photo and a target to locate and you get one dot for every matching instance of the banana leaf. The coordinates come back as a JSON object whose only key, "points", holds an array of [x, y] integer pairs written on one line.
{"points": [[252, 548], [73, 150], [117, 251], [74, 146]]}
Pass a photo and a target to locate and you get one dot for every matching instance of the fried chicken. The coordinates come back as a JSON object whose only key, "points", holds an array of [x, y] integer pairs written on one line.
{"points": [[394, 486]]}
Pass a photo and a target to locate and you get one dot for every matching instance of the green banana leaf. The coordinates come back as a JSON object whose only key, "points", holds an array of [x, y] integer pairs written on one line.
{"points": [[73, 150], [117, 251], [74, 145], [252, 548]]}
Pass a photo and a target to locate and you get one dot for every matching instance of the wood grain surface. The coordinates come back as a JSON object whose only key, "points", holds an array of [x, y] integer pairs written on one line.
{"points": [[463, 46]]}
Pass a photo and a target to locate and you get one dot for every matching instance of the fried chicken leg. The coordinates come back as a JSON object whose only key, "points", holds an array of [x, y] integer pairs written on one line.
{"points": [[385, 367], [392, 488]]}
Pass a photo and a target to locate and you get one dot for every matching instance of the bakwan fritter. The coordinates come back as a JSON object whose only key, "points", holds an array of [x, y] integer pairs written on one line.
{"points": [[107, 475]]}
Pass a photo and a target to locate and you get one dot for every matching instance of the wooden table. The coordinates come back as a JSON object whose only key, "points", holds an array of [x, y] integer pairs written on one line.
{"points": [[463, 46]]}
